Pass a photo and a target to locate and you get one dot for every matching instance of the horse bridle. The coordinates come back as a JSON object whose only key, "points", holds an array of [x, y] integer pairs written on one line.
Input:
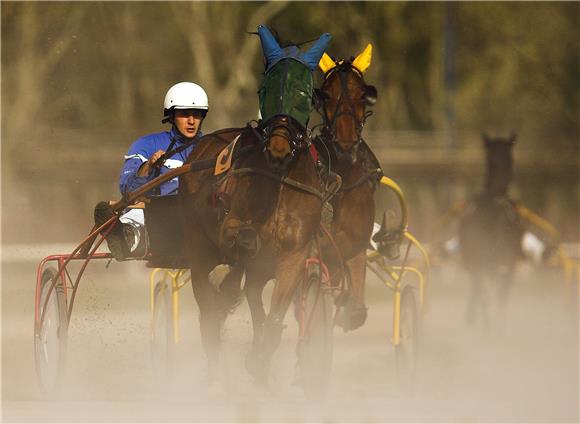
{"points": [[298, 140], [296, 134], [329, 129], [327, 136]]}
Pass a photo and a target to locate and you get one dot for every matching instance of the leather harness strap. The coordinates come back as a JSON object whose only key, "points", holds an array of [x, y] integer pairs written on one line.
{"points": [[374, 173], [283, 180]]}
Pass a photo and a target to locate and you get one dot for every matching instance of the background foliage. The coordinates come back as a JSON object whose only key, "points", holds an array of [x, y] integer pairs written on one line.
{"points": [[81, 80]]}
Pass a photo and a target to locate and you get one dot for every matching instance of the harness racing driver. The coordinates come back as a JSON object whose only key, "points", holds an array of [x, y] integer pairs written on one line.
{"points": [[185, 107]]}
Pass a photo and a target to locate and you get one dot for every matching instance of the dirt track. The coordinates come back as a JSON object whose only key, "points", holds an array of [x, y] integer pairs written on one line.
{"points": [[524, 370]]}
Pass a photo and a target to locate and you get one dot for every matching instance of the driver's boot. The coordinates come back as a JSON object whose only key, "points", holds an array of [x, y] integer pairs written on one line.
{"points": [[116, 237]]}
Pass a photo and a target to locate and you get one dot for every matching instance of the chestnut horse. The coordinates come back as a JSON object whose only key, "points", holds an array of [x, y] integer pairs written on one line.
{"points": [[342, 101], [259, 215], [200, 213]]}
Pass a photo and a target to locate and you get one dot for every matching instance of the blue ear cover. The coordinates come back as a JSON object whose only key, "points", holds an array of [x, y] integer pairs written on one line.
{"points": [[273, 52], [314, 54], [270, 47]]}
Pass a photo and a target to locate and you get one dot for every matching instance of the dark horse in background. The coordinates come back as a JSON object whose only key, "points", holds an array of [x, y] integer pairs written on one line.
{"points": [[490, 232], [258, 215], [342, 101]]}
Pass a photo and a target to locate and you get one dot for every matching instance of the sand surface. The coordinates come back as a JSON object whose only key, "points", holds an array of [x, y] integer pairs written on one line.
{"points": [[525, 368]]}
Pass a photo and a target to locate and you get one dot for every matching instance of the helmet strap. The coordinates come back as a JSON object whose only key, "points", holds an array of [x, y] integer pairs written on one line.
{"points": [[168, 116]]}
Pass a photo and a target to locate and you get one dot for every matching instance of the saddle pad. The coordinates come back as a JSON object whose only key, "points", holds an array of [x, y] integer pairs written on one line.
{"points": [[224, 159]]}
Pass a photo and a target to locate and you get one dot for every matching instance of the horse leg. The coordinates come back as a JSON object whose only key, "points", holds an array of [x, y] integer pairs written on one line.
{"points": [[506, 281], [476, 300], [505, 284], [229, 292], [206, 298], [254, 296], [238, 240], [354, 311], [258, 273], [288, 273]]}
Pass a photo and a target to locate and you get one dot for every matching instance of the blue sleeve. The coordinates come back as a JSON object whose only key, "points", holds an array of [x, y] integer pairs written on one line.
{"points": [[313, 55], [129, 181], [270, 46], [137, 155]]}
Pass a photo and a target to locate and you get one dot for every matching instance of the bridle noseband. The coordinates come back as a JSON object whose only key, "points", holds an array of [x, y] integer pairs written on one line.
{"points": [[298, 139], [292, 131]]}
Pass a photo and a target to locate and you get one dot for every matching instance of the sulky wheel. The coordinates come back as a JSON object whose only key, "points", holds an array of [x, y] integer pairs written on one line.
{"points": [[50, 332], [407, 350], [315, 348], [162, 345]]}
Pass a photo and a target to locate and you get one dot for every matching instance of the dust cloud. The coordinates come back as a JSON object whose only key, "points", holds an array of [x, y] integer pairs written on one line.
{"points": [[63, 155], [522, 368]]}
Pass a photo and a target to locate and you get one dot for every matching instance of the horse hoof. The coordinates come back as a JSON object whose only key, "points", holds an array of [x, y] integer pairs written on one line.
{"points": [[214, 388], [255, 368], [217, 276], [352, 315], [211, 373], [252, 364], [261, 383], [351, 318], [297, 379]]}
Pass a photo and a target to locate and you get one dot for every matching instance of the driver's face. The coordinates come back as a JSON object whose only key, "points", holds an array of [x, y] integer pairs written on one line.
{"points": [[188, 121]]}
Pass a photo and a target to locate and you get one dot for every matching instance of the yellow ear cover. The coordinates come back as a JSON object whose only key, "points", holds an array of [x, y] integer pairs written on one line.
{"points": [[326, 63], [363, 60]]}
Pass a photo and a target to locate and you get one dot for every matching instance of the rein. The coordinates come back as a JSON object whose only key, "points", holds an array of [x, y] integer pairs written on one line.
{"points": [[297, 140], [159, 162], [130, 198], [327, 136], [297, 137], [287, 181], [374, 173]]}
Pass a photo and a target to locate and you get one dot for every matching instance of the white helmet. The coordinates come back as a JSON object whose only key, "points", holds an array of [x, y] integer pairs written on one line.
{"points": [[185, 95]]}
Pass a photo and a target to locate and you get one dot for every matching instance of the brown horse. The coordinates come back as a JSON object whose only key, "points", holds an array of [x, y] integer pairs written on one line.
{"points": [[342, 101], [490, 231], [258, 215], [200, 209]]}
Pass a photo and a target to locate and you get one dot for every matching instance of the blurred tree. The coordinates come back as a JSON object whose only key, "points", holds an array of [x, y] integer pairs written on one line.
{"points": [[516, 64], [110, 62], [31, 59], [222, 55], [81, 80]]}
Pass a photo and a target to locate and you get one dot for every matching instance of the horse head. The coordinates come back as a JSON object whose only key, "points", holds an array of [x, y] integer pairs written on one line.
{"points": [[342, 101], [499, 164]]}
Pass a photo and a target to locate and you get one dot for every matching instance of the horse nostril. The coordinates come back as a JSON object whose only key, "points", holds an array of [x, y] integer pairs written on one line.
{"points": [[248, 241], [345, 147], [278, 148]]}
